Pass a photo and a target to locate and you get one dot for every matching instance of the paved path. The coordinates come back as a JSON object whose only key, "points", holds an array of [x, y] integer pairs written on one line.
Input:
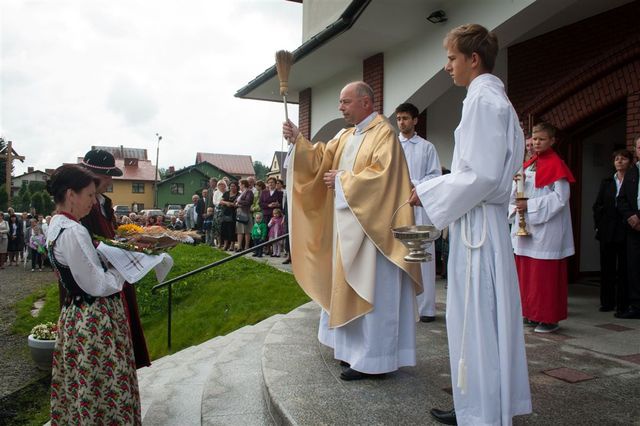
{"points": [[17, 282]]}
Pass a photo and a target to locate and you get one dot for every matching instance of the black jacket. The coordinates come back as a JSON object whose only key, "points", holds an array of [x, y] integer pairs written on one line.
{"points": [[627, 201], [610, 227]]}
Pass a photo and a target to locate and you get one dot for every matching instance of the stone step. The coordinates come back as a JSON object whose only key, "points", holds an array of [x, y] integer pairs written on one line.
{"points": [[171, 390], [302, 384], [233, 394]]}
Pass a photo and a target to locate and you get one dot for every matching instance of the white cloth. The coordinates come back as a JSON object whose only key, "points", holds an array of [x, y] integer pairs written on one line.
{"points": [[548, 220], [424, 164], [384, 339], [217, 197], [74, 249], [133, 266], [489, 147]]}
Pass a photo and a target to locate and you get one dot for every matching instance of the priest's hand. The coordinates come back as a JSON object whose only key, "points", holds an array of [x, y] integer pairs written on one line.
{"points": [[290, 131], [521, 206], [330, 179], [413, 199]]}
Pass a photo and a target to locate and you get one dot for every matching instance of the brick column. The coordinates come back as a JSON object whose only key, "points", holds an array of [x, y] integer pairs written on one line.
{"points": [[373, 75], [633, 118], [304, 112]]}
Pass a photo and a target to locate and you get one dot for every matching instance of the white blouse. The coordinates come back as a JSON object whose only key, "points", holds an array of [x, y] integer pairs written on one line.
{"points": [[75, 249]]}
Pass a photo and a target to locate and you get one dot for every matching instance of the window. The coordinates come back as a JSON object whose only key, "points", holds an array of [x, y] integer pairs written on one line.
{"points": [[109, 188], [204, 183], [177, 188], [137, 188]]}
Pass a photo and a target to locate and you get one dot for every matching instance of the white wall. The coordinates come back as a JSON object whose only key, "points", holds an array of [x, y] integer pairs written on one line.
{"points": [[443, 113], [318, 14], [596, 165], [324, 106]]}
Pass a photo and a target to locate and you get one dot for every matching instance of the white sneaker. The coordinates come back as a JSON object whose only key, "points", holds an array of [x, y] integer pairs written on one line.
{"points": [[33, 270], [546, 328]]}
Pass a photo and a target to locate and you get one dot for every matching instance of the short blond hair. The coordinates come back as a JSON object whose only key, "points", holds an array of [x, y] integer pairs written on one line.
{"points": [[548, 128], [474, 38]]}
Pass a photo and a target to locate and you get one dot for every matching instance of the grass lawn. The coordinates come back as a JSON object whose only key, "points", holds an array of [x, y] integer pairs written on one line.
{"points": [[212, 303]]}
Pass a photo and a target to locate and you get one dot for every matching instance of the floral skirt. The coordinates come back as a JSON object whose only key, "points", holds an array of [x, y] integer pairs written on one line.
{"points": [[94, 379]]}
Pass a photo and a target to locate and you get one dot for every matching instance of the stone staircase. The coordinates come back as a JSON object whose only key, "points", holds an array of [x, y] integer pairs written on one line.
{"points": [[218, 382]]}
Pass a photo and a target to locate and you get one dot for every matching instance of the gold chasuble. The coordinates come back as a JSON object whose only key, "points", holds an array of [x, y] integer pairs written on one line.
{"points": [[375, 187]]}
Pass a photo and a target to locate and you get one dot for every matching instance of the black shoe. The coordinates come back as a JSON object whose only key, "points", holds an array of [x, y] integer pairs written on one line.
{"points": [[351, 374], [344, 364], [631, 313], [606, 308], [286, 262], [444, 417], [426, 318]]}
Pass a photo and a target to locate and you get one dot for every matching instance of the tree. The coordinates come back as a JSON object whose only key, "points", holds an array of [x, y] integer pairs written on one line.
{"points": [[4, 198], [37, 202], [48, 203], [3, 162], [261, 170], [22, 202], [37, 186]]}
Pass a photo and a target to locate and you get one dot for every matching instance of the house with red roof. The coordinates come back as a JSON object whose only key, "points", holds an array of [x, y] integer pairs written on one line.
{"points": [[237, 165]]}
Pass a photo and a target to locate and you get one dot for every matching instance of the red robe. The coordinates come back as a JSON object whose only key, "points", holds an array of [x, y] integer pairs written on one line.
{"points": [[103, 226], [544, 282]]}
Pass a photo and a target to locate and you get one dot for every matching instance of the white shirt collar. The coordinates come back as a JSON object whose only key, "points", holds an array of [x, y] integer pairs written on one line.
{"points": [[364, 123], [412, 139]]}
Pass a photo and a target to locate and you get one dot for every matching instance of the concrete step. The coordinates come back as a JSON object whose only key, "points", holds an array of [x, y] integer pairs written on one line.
{"points": [[172, 389], [233, 393], [303, 386]]}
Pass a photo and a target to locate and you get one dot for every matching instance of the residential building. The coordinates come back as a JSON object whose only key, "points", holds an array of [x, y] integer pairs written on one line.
{"points": [[573, 63], [276, 170], [179, 185], [240, 166], [135, 187], [30, 176]]}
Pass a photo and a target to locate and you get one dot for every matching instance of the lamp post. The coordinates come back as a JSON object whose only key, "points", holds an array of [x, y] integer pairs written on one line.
{"points": [[155, 177]]}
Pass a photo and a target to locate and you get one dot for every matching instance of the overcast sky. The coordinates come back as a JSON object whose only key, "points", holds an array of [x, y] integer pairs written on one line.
{"points": [[77, 73]]}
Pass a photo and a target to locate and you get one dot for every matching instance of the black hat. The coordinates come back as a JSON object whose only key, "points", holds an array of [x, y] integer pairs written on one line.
{"points": [[101, 162]]}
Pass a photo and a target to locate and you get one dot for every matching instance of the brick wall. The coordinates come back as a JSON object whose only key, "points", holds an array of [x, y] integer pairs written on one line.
{"points": [[633, 118], [304, 112], [373, 75], [575, 72]]}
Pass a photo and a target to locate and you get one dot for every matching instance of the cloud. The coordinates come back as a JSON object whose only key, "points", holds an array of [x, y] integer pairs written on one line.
{"points": [[133, 103]]}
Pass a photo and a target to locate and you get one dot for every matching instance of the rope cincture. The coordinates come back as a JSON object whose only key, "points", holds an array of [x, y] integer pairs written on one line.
{"points": [[465, 232]]}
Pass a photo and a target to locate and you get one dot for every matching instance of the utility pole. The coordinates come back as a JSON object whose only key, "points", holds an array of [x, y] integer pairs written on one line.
{"points": [[9, 154], [155, 182]]}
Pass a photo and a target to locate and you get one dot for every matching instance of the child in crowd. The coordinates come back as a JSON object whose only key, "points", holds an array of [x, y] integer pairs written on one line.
{"points": [[541, 258], [276, 228], [259, 234], [37, 244], [207, 226]]}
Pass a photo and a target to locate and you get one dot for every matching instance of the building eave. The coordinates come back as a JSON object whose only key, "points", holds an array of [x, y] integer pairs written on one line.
{"points": [[342, 24]]}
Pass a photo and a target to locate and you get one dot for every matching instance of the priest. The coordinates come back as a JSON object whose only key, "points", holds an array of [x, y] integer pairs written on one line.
{"points": [[101, 221], [484, 316], [341, 205]]}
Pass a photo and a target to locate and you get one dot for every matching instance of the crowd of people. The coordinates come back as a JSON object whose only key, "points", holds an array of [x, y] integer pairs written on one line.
{"points": [[349, 262], [231, 215], [22, 239]]}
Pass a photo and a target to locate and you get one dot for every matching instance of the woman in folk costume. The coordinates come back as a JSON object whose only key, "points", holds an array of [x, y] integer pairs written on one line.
{"points": [[541, 258], [93, 379], [101, 221]]}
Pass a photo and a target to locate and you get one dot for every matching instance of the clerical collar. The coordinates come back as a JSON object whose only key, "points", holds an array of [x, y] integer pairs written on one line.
{"points": [[364, 123]]}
